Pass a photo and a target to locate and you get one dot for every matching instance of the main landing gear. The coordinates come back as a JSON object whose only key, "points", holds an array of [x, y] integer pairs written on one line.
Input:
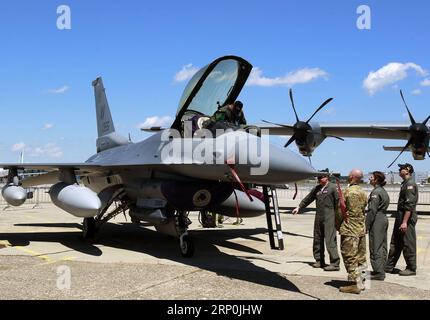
{"points": [[91, 226], [186, 243]]}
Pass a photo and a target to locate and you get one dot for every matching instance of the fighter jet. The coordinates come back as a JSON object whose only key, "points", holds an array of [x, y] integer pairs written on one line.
{"points": [[308, 136], [154, 182]]}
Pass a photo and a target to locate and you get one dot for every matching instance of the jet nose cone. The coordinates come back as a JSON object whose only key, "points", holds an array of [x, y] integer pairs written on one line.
{"points": [[286, 166], [269, 163]]}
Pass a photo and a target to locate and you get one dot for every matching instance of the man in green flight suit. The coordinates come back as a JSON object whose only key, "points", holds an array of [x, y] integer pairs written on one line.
{"points": [[404, 237], [353, 233], [377, 225], [327, 198], [227, 117]]}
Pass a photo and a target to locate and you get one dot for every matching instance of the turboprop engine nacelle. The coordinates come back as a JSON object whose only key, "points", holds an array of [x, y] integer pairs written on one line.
{"points": [[14, 195], [76, 200]]}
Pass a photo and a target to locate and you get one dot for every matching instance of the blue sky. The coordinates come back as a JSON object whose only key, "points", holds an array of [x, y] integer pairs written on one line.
{"points": [[46, 98]]}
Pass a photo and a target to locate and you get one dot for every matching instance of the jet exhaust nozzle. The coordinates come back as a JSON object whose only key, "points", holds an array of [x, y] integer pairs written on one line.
{"points": [[14, 195], [78, 201]]}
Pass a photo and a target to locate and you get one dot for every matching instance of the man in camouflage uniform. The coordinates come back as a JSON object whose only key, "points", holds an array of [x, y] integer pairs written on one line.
{"points": [[404, 237], [353, 233], [227, 117], [327, 198]]}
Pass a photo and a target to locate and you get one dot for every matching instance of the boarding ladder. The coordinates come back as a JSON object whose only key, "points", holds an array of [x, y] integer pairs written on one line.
{"points": [[273, 218]]}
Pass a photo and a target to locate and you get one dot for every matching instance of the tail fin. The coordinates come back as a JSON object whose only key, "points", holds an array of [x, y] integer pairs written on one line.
{"points": [[104, 118], [107, 137]]}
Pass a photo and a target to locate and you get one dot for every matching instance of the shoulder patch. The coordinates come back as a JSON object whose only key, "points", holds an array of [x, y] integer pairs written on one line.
{"points": [[374, 196], [410, 187]]}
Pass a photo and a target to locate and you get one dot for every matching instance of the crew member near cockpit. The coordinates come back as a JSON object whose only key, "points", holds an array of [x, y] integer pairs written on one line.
{"points": [[230, 114]]}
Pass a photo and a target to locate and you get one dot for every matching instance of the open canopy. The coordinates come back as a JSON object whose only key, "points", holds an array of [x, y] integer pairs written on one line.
{"points": [[217, 84]]}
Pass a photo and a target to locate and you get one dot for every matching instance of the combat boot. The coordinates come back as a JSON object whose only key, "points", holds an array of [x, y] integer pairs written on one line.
{"points": [[331, 268], [407, 272], [317, 265], [350, 289], [377, 276]]}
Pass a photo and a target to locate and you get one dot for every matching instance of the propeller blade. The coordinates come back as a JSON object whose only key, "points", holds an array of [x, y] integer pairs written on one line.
{"points": [[292, 139], [330, 136], [278, 124], [426, 120], [292, 103], [410, 114], [406, 146], [320, 107]]}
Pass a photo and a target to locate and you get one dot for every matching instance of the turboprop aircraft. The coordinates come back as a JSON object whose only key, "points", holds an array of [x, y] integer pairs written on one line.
{"points": [[172, 172], [309, 135]]}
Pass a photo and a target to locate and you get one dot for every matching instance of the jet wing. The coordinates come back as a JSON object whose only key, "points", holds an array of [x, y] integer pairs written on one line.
{"points": [[80, 168], [53, 171], [372, 130]]}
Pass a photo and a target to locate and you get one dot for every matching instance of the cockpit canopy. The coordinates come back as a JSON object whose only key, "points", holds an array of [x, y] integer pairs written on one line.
{"points": [[215, 85]]}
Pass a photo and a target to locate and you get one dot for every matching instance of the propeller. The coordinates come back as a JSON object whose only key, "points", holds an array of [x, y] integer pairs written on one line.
{"points": [[301, 128], [403, 150], [417, 131]]}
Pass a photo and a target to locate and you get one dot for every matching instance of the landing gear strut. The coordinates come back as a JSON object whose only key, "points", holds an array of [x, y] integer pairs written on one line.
{"points": [[186, 243], [91, 226]]}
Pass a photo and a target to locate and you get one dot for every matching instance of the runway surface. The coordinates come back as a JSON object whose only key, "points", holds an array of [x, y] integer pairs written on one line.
{"points": [[42, 256]]}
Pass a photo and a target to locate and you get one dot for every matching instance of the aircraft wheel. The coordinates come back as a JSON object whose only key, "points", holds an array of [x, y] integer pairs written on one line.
{"points": [[186, 246], [89, 228]]}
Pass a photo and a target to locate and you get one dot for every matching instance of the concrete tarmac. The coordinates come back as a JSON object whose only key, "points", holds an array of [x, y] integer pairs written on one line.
{"points": [[41, 250]]}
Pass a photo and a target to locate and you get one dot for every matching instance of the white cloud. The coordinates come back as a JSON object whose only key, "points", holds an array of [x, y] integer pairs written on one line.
{"points": [[425, 83], [416, 92], [300, 76], [50, 150], [61, 90], [156, 122], [18, 147], [48, 126], [185, 73], [390, 74]]}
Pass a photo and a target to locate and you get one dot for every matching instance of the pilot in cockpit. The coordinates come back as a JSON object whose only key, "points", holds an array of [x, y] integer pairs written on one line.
{"points": [[226, 117]]}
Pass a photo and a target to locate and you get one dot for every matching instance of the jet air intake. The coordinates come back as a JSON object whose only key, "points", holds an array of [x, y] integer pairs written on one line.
{"points": [[77, 200]]}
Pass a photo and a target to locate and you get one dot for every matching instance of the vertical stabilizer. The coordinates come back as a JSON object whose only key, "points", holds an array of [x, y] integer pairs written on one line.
{"points": [[107, 137], [104, 118]]}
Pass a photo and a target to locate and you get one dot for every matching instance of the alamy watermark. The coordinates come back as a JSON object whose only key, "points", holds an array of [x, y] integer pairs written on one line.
{"points": [[226, 147], [364, 21], [64, 20], [64, 278]]}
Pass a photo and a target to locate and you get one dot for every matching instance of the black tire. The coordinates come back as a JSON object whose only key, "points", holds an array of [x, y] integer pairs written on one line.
{"points": [[89, 228], [187, 247]]}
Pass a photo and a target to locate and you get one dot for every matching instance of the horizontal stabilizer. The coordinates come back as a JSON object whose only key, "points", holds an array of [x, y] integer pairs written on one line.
{"points": [[395, 148]]}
